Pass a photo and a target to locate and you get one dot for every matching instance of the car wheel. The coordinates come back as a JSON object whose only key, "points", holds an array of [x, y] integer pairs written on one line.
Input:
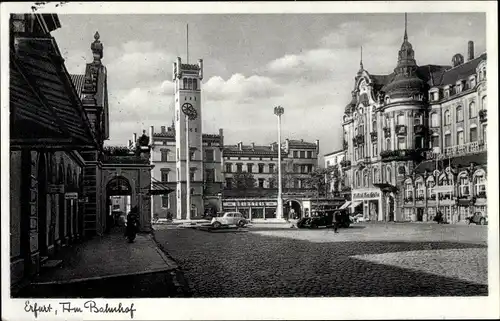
{"points": [[313, 225], [216, 224], [482, 221], [241, 223]]}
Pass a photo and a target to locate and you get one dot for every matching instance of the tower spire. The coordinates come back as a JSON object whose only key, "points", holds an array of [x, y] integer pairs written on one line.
{"points": [[406, 25], [361, 59]]}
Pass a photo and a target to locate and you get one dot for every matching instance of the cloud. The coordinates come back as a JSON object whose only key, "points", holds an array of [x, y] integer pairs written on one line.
{"points": [[240, 88]]}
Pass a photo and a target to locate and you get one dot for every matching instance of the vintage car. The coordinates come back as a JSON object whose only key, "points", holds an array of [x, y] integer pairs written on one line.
{"points": [[325, 218], [478, 218], [229, 218]]}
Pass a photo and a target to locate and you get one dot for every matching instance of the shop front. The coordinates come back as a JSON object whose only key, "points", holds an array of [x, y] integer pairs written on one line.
{"points": [[369, 203], [252, 208]]}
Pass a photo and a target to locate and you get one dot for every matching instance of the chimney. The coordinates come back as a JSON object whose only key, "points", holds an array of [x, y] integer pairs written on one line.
{"points": [[134, 138], [272, 146], [240, 145], [253, 146], [470, 51], [151, 133], [129, 143], [221, 134], [317, 146], [162, 129]]}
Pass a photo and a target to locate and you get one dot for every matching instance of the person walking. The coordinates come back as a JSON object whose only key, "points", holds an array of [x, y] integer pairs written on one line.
{"points": [[335, 219]]}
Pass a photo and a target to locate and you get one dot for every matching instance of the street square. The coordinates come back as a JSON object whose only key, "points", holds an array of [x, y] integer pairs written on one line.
{"points": [[364, 260]]}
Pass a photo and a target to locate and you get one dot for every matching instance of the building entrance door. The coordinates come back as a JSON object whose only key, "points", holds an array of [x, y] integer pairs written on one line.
{"points": [[420, 214]]}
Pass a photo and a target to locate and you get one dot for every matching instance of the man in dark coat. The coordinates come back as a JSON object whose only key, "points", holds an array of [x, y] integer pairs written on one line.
{"points": [[335, 221]]}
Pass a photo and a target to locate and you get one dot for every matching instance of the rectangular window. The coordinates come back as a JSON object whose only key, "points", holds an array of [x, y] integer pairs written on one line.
{"points": [[191, 176], [271, 183], [309, 154], [302, 154], [261, 182], [178, 154], [295, 154], [228, 168], [374, 150], [401, 143], [229, 183], [249, 168], [261, 168], [164, 176], [435, 141], [447, 140], [401, 119], [209, 155], [164, 201], [473, 135], [271, 168], [164, 155], [434, 120], [191, 155], [210, 175], [239, 168], [460, 137]]}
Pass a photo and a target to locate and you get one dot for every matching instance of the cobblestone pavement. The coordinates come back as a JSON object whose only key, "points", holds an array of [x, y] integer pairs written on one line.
{"points": [[294, 263]]}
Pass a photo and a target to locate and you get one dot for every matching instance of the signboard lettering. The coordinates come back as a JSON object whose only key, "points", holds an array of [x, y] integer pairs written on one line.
{"points": [[55, 189], [71, 196], [366, 195]]}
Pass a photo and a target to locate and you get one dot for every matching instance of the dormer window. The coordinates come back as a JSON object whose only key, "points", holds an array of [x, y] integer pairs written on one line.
{"points": [[459, 87], [472, 81]]}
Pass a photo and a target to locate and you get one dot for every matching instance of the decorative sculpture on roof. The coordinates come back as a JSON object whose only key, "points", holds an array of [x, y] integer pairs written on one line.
{"points": [[97, 48], [143, 141]]}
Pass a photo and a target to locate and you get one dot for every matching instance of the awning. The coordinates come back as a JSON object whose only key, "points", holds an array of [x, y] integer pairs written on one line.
{"points": [[355, 204], [160, 188], [345, 205]]}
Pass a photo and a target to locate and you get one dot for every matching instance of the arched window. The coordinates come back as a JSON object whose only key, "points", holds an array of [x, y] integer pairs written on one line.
{"points": [[480, 183], [358, 179], [374, 126], [401, 170], [447, 117], [483, 102], [460, 114], [388, 176], [417, 119], [409, 190], [460, 136], [434, 120], [190, 83], [376, 175], [419, 184], [472, 110], [365, 178], [184, 83], [195, 84], [387, 122], [401, 119], [387, 143], [430, 188], [464, 184], [473, 133], [445, 180]]}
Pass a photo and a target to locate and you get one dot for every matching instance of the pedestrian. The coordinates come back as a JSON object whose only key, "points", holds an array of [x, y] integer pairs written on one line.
{"points": [[335, 219]]}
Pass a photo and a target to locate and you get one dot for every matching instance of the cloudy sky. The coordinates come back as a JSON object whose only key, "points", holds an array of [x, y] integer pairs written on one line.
{"points": [[303, 62]]}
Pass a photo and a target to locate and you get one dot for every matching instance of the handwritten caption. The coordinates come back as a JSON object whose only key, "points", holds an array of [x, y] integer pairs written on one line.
{"points": [[70, 307]]}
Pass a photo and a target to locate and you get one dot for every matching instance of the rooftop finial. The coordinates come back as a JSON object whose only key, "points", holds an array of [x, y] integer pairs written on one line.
{"points": [[361, 59], [406, 24], [96, 35]]}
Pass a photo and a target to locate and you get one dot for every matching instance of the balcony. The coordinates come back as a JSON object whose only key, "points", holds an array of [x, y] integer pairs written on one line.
{"points": [[345, 145], [359, 139], [458, 150], [419, 129], [402, 154], [345, 163], [408, 199], [483, 115], [481, 195], [373, 136], [401, 130], [387, 132]]}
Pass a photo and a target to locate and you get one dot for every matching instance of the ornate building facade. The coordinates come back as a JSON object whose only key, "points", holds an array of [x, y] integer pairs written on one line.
{"points": [[410, 130]]}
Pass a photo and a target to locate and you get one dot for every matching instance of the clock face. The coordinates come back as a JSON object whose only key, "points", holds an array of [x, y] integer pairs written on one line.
{"points": [[189, 111]]}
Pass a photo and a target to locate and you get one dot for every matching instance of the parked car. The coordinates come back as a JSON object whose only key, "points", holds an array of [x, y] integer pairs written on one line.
{"points": [[325, 218], [229, 218], [478, 218]]}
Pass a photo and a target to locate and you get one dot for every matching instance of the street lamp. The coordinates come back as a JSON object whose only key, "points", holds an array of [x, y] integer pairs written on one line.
{"points": [[278, 111], [191, 114]]}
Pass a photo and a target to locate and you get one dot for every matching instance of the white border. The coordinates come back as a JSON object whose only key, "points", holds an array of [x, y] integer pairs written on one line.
{"points": [[277, 308]]}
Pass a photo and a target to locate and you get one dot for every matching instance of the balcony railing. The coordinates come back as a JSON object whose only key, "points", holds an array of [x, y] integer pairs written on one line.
{"points": [[387, 132], [401, 129], [358, 139], [402, 154], [458, 150], [483, 115], [345, 163], [373, 135], [419, 129]]}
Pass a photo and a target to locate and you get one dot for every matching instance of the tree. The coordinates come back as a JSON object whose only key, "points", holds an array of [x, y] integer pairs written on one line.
{"points": [[244, 180], [286, 176], [319, 179]]}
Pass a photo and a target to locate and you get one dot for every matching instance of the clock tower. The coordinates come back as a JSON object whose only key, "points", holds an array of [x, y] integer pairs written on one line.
{"points": [[188, 123]]}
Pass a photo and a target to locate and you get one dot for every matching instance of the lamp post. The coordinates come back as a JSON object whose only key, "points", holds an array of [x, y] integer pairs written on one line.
{"points": [[278, 111], [190, 114]]}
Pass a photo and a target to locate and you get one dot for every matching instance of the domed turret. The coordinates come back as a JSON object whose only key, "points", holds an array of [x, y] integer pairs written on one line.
{"points": [[406, 83]]}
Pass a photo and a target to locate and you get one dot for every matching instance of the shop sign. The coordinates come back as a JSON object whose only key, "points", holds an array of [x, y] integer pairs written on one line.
{"points": [[71, 196], [366, 195], [230, 204], [55, 189], [249, 204]]}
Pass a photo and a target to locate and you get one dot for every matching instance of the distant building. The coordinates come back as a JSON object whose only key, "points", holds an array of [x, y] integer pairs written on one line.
{"points": [[415, 139], [333, 161]]}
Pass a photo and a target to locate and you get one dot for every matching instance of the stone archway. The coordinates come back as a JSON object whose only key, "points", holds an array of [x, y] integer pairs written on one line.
{"points": [[292, 209], [117, 186]]}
